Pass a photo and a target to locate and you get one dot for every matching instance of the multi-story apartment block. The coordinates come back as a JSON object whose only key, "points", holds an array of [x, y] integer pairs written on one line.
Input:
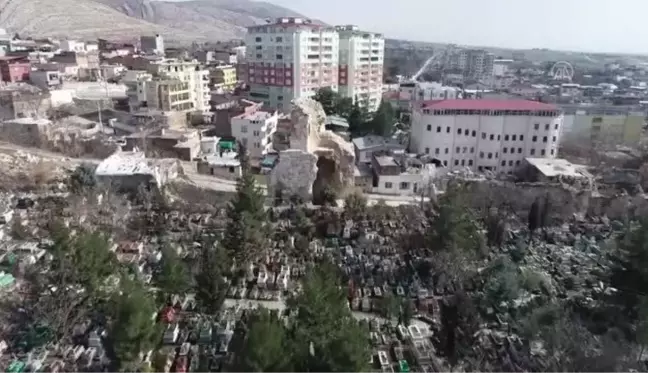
{"points": [[223, 76], [189, 72], [361, 61], [135, 82], [169, 95], [472, 63], [495, 135], [152, 44], [290, 58], [255, 130], [295, 57]]}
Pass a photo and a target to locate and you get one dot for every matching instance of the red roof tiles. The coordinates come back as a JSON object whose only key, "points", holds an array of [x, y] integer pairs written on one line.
{"points": [[477, 104]]}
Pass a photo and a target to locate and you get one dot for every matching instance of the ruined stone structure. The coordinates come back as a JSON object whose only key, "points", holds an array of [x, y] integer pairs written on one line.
{"points": [[316, 159]]}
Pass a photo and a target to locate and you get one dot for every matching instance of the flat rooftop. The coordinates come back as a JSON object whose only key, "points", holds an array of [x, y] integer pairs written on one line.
{"points": [[129, 163], [258, 115], [228, 159], [558, 167], [372, 141], [493, 104]]}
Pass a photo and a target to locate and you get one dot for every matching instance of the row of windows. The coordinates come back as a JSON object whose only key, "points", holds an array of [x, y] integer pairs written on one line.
{"points": [[401, 186], [493, 113], [484, 134], [547, 126], [463, 150]]}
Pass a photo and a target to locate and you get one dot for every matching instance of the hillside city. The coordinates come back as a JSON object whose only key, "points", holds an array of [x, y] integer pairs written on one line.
{"points": [[320, 198]]}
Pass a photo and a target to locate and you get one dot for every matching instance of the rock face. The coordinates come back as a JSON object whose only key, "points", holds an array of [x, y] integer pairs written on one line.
{"points": [[310, 142]]}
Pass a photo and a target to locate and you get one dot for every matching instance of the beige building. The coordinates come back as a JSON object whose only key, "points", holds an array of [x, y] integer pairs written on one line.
{"points": [[190, 72], [169, 95]]}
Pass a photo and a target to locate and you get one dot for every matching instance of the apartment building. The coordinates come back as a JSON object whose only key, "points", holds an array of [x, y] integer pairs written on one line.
{"points": [[472, 63], [288, 59], [152, 44], [135, 82], [495, 135], [190, 72], [14, 69], [255, 130], [361, 61], [223, 76], [602, 126], [169, 95]]}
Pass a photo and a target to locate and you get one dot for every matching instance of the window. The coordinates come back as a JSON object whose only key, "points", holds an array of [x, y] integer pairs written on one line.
{"points": [[465, 149], [438, 129], [474, 133], [255, 133], [279, 39], [556, 127], [483, 135], [503, 163], [506, 137], [553, 139], [517, 163], [257, 39], [536, 126], [447, 129], [492, 137], [467, 133], [498, 137], [445, 163], [534, 138], [510, 163], [280, 98], [504, 150], [456, 162], [490, 155], [427, 150], [458, 131], [480, 168], [404, 186], [279, 56], [429, 127], [521, 137], [542, 152], [259, 56], [436, 151], [519, 150], [447, 150], [547, 127], [544, 139], [513, 137], [243, 129], [532, 151], [481, 154], [472, 150], [457, 149], [388, 185], [552, 152], [463, 162], [231, 170], [496, 154], [470, 162]]}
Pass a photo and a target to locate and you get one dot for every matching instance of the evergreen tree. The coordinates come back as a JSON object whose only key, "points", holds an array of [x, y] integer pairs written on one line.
{"points": [[357, 118], [452, 227], [383, 120], [266, 345], [210, 283], [132, 328], [328, 99], [173, 277], [246, 216]]}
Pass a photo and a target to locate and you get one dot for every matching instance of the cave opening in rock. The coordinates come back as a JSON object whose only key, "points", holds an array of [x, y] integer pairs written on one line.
{"points": [[325, 181]]}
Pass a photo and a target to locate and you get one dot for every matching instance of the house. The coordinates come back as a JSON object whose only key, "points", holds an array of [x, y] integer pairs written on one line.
{"points": [[26, 131], [365, 147], [224, 164], [129, 170], [554, 170], [400, 175], [14, 69], [21, 100]]}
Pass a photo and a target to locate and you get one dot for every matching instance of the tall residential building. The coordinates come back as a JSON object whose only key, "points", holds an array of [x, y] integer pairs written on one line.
{"points": [[190, 72], [152, 44], [168, 95], [254, 130], [361, 65], [288, 59], [495, 135], [472, 63]]}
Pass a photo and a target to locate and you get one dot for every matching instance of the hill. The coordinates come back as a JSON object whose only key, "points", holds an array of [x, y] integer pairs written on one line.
{"points": [[198, 20]]}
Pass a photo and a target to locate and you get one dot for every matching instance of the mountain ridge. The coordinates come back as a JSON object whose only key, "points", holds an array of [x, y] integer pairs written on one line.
{"points": [[179, 22]]}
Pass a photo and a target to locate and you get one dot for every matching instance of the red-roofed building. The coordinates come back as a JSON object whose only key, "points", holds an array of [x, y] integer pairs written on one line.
{"points": [[14, 69], [493, 135]]}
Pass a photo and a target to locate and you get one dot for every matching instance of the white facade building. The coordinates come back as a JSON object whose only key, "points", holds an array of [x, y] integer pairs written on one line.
{"points": [[152, 44], [255, 131], [502, 67], [72, 46], [361, 61], [189, 72], [491, 135], [288, 59]]}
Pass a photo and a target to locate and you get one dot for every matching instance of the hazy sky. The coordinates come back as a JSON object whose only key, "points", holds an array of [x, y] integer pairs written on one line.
{"points": [[584, 25]]}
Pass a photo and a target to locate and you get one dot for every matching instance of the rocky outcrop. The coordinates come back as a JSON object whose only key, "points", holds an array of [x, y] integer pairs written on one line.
{"points": [[296, 171]]}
